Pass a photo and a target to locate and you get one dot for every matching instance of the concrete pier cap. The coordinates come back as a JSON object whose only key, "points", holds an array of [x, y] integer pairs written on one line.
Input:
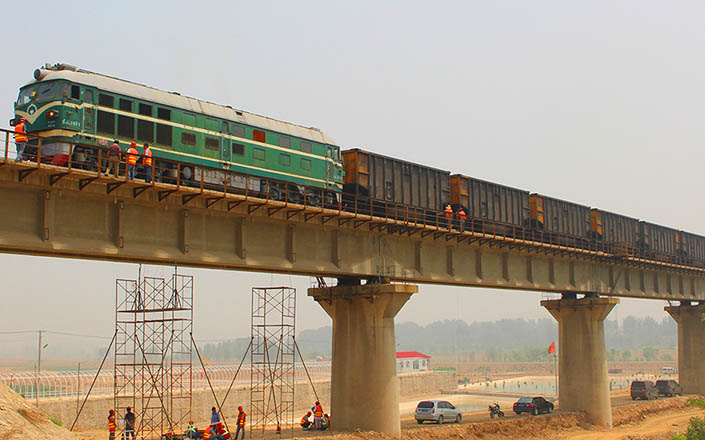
{"points": [[364, 388], [691, 345], [582, 358]]}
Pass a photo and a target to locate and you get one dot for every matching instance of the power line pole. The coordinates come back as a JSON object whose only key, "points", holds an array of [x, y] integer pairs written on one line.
{"points": [[39, 367]]}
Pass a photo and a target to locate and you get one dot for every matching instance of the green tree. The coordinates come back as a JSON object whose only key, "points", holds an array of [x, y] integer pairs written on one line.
{"points": [[650, 353], [666, 357], [627, 355]]}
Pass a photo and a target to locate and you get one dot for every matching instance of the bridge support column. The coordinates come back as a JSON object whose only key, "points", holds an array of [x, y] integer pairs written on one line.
{"points": [[364, 386], [583, 380], [691, 346]]}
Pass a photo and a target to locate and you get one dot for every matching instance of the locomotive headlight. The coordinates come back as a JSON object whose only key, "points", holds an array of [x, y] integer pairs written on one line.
{"points": [[52, 114]]}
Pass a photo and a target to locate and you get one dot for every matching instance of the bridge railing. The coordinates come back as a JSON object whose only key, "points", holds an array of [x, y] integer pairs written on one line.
{"points": [[191, 180]]}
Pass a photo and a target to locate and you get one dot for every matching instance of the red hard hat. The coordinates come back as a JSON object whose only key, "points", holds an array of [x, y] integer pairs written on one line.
{"points": [[112, 411], [308, 413], [133, 144], [239, 408], [23, 120]]}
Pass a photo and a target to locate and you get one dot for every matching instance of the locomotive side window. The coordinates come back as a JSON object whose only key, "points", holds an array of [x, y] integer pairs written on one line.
{"points": [[75, 92], [164, 134], [106, 100], [306, 164], [126, 105], [306, 147], [126, 126], [238, 149], [212, 144], [258, 153], [145, 109], [284, 142], [258, 136], [106, 122], [145, 130], [88, 96], [239, 131], [163, 113], [188, 138], [284, 159]]}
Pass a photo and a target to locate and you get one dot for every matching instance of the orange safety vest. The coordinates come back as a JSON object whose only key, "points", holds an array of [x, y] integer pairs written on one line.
{"points": [[20, 133], [111, 423], [318, 412], [147, 157], [132, 156], [207, 433], [241, 419], [461, 214], [448, 212], [304, 420]]}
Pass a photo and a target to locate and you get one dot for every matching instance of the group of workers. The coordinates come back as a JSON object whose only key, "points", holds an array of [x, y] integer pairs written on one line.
{"points": [[215, 431], [460, 216], [132, 156], [321, 421]]}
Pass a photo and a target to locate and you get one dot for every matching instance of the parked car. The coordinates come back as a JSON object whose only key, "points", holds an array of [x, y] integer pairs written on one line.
{"points": [[668, 388], [438, 411], [533, 405], [643, 389]]}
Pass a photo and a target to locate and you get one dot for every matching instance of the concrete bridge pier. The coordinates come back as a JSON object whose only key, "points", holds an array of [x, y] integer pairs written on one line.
{"points": [[364, 386], [582, 358], [691, 345]]}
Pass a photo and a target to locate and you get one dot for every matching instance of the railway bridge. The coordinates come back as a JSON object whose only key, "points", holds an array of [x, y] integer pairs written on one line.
{"points": [[76, 211]]}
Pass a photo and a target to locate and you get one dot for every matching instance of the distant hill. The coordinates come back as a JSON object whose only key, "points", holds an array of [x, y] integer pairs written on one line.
{"points": [[517, 339]]}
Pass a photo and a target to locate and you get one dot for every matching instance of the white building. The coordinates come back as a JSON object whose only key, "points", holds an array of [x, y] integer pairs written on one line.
{"points": [[412, 361]]}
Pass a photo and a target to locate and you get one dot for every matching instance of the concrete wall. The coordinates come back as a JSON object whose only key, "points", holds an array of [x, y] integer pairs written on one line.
{"points": [[95, 413]]}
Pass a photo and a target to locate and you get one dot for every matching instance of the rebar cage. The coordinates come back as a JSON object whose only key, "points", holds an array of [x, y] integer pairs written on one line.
{"points": [[153, 353], [272, 358]]}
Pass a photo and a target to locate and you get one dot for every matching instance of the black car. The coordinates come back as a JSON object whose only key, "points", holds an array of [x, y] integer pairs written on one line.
{"points": [[668, 387], [533, 405], [643, 389]]}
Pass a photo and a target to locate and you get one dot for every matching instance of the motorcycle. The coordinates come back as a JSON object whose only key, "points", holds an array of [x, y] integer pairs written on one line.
{"points": [[495, 411]]}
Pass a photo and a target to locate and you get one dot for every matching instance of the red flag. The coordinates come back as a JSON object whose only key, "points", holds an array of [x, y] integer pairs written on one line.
{"points": [[552, 348]]}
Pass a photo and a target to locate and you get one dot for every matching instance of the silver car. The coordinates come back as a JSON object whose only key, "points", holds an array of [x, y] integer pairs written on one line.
{"points": [[438, 411]]}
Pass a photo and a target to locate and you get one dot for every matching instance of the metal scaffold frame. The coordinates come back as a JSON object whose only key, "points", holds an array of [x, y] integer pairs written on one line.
{"points": [[153, 353], [272, 359]]}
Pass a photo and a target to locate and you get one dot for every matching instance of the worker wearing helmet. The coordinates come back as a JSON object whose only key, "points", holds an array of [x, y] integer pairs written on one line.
{"points": [[111, 424], [448, 214], [132, 155], [20, 139], [305, 422], [241, 416], [191, 431]]}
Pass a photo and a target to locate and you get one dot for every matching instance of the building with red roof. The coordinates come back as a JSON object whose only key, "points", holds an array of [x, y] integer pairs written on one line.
{"points": [[412, 361]]}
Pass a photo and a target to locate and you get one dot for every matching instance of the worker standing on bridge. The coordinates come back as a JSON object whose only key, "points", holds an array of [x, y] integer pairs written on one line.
{"points": [[448, 214], [114, 159], [111, 424], [147, 162], [132, 154], [317, 415], [240, 422], [20, 139], [461, 218]]}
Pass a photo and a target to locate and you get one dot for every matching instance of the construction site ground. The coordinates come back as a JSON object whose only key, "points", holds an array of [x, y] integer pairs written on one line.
{"points": [[640, 420]]}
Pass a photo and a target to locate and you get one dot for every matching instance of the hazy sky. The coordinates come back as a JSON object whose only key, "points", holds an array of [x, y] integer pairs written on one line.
{"points": [[598, 102]]}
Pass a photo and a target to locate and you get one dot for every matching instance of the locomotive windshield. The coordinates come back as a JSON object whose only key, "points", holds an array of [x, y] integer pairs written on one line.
{"points": [[25, 95], [42, 92]]}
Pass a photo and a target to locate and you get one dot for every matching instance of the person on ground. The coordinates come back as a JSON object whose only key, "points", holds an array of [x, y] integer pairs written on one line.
{"points": [[129, 423], [208, 433], [191, 431], [241, 416], [20, 139], [305, 422], [325, 422], [461, 219], [111, 424], [147, 162], [448, 214], [132, 155], [215, 419], [114, 159], [317, 415]]}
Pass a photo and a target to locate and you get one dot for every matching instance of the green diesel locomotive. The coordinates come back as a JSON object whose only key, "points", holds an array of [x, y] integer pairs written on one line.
{"points": [[71, 105]]}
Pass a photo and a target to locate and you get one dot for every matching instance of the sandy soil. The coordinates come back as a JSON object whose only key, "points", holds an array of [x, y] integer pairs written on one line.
{"points": [[20, 420]]}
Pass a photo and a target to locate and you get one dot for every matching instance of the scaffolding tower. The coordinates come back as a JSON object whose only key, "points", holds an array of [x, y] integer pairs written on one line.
{"points": [[153, 353], [272, 359]]}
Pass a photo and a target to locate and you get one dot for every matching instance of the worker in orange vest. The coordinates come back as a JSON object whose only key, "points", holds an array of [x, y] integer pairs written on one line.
{"points": [[111, 424], [448, 214], [147, 162], [132, 155], [20, 139], [208, 432], [305, 422], [317, 415], [461, 218], [240, 422]]}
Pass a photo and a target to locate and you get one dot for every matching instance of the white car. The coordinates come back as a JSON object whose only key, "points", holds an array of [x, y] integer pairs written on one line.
{"points": [[438, 411]]}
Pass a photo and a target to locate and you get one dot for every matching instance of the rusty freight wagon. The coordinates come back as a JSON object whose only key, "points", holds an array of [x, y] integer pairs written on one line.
{"points": [[491, 207], [383, 185], [692, 249], [659, 242], [560, 222], [620, 231]]}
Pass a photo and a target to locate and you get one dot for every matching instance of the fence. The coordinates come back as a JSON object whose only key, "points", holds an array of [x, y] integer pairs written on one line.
{"points": [[52, 384]]}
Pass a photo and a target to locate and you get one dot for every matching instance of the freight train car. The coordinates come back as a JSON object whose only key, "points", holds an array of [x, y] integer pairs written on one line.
{"points": [[491, 207], [692, 249], [393, 184], [69, 105], [620, 231], [563, 222], [659, 242]]}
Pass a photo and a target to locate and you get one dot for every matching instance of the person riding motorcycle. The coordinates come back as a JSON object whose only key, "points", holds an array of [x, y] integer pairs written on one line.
{"points": [[495, 410]]}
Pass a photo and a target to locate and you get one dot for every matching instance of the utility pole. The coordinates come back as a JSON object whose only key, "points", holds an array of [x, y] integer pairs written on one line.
{"points": [[555, 369], [39, 367]]}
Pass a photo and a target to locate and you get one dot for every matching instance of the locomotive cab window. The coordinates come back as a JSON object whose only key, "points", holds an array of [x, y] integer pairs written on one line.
{"points": [[47, 91], [88, 97], [75, 92], [25, 96]]}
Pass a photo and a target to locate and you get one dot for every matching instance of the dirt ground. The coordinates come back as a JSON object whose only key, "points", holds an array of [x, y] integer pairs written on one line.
{"points": [[20, 420]]}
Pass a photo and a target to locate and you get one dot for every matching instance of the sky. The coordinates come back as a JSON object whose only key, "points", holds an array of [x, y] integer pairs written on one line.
{"points": [[601, 103]]}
